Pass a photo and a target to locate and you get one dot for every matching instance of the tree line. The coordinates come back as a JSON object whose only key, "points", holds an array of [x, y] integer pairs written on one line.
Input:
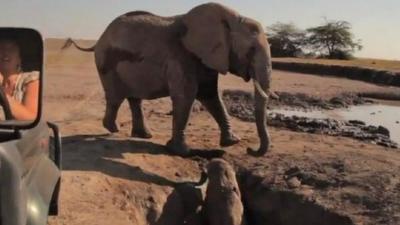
{"points": [[332, 39]]}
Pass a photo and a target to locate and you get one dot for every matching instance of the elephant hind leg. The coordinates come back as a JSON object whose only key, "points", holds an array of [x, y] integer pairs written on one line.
{"points": [[139, 128], [110, 116]]}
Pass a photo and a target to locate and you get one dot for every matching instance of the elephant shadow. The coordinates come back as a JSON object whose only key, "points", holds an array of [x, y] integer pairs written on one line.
{"points": [[101, 153]]}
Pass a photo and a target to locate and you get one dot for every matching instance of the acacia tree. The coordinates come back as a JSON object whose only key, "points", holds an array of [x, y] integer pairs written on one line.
{"points": [[286, 40], [333, 39]]}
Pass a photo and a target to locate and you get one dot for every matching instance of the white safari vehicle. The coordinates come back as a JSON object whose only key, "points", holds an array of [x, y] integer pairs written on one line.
{"points": [[30, 150]]}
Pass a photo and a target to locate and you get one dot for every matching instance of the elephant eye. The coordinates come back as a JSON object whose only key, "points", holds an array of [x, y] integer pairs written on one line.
{"points": [[254, 30]]}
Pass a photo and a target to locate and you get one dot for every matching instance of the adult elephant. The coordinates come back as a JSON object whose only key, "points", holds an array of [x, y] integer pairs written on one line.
{"points": [[144, 56]]}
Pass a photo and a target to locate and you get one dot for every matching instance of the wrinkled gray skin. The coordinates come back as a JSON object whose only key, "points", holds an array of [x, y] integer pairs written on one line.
{"points": [[223, 204], [145, 56]]}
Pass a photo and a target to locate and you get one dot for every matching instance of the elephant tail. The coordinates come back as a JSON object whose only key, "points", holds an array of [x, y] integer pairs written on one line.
{"points": [[70, 42]]}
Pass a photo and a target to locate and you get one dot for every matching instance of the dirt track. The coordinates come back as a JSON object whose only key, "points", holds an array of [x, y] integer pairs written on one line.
{"points": [[115, 179]]}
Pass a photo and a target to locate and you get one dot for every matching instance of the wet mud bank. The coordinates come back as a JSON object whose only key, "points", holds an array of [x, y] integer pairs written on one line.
{"points": [[296, 100], [240, 104], [350, 72], [353, 128]]}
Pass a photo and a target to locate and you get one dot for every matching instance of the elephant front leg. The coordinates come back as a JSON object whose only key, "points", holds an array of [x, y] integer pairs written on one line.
{"points": [[139, 128], [182, 106], [218, 111]]}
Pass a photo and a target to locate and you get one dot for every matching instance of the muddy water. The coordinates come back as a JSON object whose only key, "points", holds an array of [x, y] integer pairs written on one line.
{"points": [[383, 115]]}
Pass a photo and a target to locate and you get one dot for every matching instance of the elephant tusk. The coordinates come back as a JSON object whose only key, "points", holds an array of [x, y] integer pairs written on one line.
{"points": [[260, 90], [273, 95]]}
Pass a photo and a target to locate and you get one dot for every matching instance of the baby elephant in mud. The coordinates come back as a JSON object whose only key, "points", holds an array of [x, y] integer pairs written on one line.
{"points": [[223, 204], [144, 56]]}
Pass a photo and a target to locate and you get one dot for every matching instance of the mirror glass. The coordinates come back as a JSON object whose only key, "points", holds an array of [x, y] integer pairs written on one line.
{"points": [[21, 61]]}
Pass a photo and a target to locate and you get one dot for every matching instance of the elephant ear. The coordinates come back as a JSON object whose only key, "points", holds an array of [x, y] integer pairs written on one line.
{"points": [[206, 36]]}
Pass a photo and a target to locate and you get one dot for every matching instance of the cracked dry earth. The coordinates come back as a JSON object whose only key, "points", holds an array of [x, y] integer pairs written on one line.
{"points": [[304, 179]]}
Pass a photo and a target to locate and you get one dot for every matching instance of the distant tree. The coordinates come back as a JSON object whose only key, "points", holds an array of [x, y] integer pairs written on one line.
{"points": [[333, 40], [286, 40]]}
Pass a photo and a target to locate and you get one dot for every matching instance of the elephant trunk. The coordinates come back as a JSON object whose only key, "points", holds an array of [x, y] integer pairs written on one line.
{"points": [[261, 79]]}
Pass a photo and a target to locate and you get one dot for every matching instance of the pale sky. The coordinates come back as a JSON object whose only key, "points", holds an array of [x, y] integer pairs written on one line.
{"points": [[375, 22]]}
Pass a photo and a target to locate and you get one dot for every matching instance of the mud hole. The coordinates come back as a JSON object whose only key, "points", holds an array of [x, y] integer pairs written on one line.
{"points": [[240, 104], [298, 195], [268, 205], [291, 195], [267, 200]]}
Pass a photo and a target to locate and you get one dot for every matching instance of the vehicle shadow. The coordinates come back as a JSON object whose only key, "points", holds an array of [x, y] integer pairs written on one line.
{"points": [[101, 153]]}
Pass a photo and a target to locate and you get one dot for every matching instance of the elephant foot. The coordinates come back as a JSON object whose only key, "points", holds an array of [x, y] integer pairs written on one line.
{"points": [[141, 133], [178, 148], [229, 139], [259, 152], [110, 126]]}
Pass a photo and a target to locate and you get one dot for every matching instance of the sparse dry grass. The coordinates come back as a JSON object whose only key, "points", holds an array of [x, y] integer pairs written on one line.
{"points": [[70, 56], [380, 64]]}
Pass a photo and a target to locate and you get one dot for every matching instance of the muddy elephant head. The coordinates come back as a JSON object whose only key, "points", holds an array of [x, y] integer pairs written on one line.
{"points": [[228, 42], [222, 203]]}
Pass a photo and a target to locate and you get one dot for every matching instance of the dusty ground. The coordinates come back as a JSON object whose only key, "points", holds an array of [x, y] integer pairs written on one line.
{"points": [[115, 179]]}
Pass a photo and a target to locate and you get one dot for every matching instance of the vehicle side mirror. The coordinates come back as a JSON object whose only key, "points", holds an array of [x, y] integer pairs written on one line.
{"points": [[21, 77]]}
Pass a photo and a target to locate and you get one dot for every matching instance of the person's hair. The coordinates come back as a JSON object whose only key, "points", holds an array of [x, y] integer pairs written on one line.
{"points": [[10, 38], [30, 47], [7, 36]]}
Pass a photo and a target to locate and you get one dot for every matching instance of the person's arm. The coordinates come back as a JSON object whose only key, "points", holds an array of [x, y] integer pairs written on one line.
{"points": [[27, 110]]}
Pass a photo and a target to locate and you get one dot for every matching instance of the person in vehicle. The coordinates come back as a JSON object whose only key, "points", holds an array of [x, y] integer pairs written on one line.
{"points": [[21, 88]]}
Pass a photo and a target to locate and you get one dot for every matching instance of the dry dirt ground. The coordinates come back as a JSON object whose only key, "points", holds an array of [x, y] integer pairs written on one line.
{"points": [[119, 180]]}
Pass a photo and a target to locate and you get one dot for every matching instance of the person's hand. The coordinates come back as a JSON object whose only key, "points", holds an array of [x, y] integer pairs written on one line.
{"points": [[10, 99]]}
